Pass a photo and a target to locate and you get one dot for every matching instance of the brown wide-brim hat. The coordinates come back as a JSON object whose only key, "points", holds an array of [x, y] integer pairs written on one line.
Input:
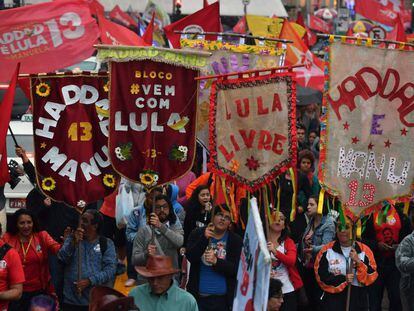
{"points": [[157, 266], [104, 298]]}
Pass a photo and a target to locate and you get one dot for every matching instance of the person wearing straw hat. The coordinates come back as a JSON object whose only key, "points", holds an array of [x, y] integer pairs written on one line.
{"points": [[161, 292], [104, 298]]}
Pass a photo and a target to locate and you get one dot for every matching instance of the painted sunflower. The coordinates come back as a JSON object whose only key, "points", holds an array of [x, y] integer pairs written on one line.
{"points": [[48, 184], [147, 179], [106, 87], [109, 180], [43, 89]]}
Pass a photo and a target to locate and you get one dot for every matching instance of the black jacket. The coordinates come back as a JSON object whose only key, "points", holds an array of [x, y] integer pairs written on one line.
{"points": [[196, 246]]}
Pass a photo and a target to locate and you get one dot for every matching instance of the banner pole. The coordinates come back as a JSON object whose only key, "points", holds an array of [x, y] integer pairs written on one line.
{"points": [[248, 72], [13, 137], [322, 35], [349, 269]]}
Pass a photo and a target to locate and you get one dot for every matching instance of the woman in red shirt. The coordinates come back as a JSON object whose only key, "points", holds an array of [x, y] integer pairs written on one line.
{"points": [[33, 247], [283, 253]]}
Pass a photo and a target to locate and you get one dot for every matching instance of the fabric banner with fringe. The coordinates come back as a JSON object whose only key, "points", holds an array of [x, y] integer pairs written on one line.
{"points": [[367, 134], [252, 128], [70, 124], [152, 120]]}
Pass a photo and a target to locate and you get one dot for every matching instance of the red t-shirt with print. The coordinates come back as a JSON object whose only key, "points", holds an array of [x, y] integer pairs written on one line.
{"points": [[11, 272], [389, 231]]}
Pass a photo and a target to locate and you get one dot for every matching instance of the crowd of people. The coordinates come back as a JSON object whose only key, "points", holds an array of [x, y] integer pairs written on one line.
{"points": [[180, 248]]}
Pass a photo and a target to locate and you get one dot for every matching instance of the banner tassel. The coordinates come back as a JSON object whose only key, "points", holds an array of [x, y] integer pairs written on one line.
{"points": [[320, 201]]}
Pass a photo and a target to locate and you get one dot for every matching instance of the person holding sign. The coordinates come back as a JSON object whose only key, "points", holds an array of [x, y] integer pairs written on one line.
{"points": [[341, 263]]}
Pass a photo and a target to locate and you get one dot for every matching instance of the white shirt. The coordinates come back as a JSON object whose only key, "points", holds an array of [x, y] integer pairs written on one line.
{"points": [[280, 272]]}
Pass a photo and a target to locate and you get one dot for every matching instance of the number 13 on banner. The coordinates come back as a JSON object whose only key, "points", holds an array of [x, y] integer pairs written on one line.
{"points": [[85, 131]]}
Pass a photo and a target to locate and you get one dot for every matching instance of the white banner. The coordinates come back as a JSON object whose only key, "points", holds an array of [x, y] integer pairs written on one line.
{"points": [[254, 266]]}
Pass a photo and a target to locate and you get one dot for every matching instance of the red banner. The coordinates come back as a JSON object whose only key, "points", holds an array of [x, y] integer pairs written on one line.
{"points": [[318, 24], [153, 119], [70, 122], [114, 34], [206, 19], [374, 10], [122, 17], [62, 34], [252, 128], [6, 109]]}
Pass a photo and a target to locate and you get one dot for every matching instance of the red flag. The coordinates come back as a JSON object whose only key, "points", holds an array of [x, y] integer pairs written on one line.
{"points": [[207, 19], [6, 108], [205, 3], [147, 37], [318, 24], [114, 34], [96, 7], [374, 10], [122, 17], [240, 27], [300, 21], [398, 33], [61, 34], [312, 75]]}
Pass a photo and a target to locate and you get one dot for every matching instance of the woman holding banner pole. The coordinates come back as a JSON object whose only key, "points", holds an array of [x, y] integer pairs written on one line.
{"points": [[334, 276]]}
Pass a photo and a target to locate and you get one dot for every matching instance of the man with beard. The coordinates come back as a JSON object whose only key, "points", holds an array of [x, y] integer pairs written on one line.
{"points": [[96, 266], [163, 236], [214, 253]]}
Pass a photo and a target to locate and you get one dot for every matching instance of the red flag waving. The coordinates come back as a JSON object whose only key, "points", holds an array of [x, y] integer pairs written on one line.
{"points": [[374, 10], [147, 37], [61, 34], [96, 7], [114, 34], [206, 19], [312, 74], [122, 17], [398, 33], [318, 24], [6, 108]]}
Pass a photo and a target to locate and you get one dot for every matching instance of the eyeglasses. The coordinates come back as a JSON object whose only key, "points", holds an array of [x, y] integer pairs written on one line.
{"points": [[161, 207], [225, 217]]}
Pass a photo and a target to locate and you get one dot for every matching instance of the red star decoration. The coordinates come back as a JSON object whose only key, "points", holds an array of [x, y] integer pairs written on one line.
{"points": [[346, 126], [404, 132], [355, 140], [370, 146], [387, 144], [252, 164]]}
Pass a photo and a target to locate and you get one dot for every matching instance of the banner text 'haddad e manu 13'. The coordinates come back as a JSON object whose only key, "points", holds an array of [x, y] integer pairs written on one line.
{"points": [[367, 147]]}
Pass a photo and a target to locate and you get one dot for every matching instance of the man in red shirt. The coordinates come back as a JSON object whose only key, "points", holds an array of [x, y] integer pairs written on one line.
{"points": [[11, 275]]}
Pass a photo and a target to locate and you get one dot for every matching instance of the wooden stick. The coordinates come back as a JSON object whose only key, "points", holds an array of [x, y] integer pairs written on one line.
{"points": [[349, 269], [248, 72], [228, 34], [322, 35], [78, 249]]}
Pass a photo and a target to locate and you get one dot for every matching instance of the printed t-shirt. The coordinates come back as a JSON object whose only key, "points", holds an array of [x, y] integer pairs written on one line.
{"points": [[280, 271], [211, 282], [389, 231], [11, 272]]}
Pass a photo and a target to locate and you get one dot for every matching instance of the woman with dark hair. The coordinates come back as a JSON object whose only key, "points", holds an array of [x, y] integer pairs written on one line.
{"points": [[33, 247], [198, 210], [306, 165], [319, 231], [333, 273], [283, 253]]}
